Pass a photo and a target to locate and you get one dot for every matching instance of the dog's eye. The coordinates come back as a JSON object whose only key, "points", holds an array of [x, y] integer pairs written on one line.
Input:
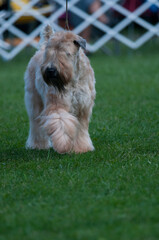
{"points": [[68, 54]]}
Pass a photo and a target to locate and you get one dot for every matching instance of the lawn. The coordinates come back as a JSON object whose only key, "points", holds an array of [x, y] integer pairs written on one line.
{"points": [[109, 194]]}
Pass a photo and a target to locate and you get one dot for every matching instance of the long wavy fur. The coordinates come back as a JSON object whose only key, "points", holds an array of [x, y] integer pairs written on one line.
{"points": [[62, 127]]}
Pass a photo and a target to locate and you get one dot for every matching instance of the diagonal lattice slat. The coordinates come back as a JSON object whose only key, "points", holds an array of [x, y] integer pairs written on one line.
{"points": [[8, 52]]}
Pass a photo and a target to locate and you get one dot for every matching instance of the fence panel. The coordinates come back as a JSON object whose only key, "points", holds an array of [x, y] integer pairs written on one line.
{"points": [[9, 23]]}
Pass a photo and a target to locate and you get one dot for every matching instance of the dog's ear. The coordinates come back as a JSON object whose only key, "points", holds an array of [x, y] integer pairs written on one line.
{"points": [[81, 42], [47, 32]]}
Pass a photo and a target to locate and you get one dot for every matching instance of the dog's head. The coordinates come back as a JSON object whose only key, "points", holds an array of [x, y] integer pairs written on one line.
{"points": [[60, 63]]}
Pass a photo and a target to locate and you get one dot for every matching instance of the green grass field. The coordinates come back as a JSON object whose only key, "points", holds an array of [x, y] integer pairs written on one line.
{"points": [[109, 194]]}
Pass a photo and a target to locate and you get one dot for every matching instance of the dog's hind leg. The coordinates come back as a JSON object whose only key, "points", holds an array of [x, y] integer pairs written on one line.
{"points": [[37, 138]]}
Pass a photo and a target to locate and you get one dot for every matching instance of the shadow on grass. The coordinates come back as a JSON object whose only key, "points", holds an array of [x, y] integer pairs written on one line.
{"points": [[15, 154], [20, 158], [19, 154]]}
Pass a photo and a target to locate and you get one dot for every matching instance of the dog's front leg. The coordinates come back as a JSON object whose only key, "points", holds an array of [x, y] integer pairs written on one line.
{"points": [[60, 125], [37, 138], [83, 141]]}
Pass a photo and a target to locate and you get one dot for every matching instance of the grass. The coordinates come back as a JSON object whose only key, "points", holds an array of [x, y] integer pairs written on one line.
{"points": [[109, 194]]}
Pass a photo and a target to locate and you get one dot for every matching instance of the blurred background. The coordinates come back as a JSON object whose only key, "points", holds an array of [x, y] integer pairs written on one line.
{"points": [[105, 24]]}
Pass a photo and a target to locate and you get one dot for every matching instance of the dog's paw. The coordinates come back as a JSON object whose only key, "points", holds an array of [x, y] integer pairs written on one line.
{"points": [[83, 143], [38, 145], [83, 149], [63, 148]]}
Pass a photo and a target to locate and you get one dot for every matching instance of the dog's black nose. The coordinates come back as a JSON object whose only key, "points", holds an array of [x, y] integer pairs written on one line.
{"points": [[52, 77], [51, 72]]}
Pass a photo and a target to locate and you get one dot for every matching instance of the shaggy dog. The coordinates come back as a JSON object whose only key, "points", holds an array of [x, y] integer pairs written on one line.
{"points": [[59, 94]]}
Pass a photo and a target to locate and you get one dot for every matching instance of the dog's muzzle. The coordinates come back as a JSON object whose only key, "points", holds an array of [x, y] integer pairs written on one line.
{"points": [[52, 78]]}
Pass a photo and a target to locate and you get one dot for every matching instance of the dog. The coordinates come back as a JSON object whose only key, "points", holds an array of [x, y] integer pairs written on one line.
{"points": [[60, 94]]}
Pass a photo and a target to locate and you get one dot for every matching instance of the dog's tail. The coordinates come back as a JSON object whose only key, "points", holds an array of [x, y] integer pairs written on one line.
{"points": [[62, 127]]}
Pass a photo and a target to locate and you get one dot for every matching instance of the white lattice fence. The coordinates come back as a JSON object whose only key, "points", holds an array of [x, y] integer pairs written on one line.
{"points": [[8, 24]]}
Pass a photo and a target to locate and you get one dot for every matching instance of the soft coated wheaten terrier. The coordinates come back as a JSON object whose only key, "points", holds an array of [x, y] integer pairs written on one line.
{"points": [[59, 94]]}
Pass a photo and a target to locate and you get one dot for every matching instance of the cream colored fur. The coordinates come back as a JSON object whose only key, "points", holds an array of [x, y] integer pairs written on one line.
{"points": [[60, 119]]}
